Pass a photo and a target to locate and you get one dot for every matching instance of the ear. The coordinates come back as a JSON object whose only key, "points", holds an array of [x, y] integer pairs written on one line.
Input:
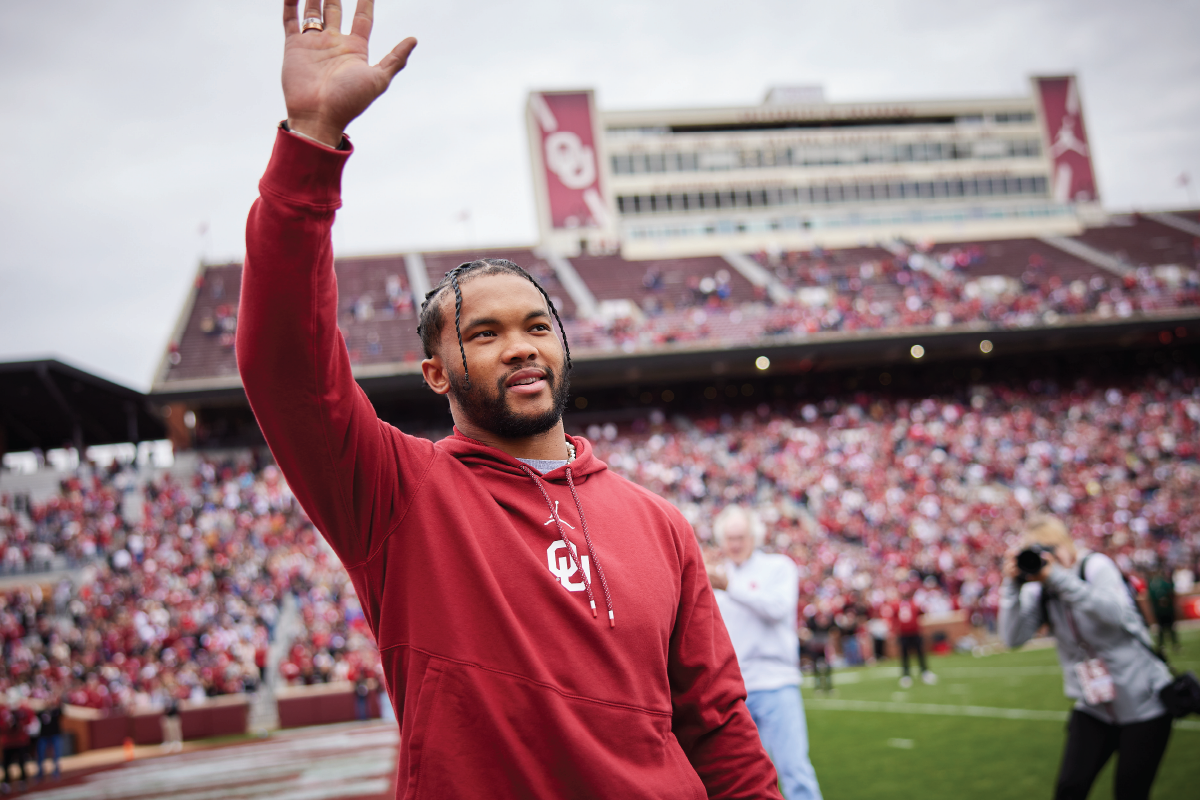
{"points": [[435, 375]]}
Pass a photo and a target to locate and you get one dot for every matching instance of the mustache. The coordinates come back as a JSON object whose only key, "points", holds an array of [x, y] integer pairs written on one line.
{"points": [[550, 377]]}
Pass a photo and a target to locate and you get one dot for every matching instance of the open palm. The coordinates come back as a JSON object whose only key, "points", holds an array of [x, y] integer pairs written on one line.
{"points": [[327, 79]]}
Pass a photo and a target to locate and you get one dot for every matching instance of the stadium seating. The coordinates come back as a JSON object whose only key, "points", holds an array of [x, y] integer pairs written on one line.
{"points": [[1138, 241], [663, 283], [652, 305], [204, 348], [438, 264]]}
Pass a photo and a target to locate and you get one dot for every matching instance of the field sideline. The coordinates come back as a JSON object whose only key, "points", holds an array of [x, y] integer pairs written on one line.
{"points": [[991, 727]]}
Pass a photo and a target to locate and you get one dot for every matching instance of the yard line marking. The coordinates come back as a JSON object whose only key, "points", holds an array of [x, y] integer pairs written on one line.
{"points": [[855, 675], [998, 672], [903, 744], [937, 709]]}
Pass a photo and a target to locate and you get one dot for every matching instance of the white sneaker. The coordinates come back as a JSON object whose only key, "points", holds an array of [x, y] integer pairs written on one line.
{"points": [[905, 682], [929, 678]]}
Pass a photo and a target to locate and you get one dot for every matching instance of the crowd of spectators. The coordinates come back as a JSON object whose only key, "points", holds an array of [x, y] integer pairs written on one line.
{"points": [[71, 529], [848, 291], [878, 498], [181, 603], [334, 642], [917, 288]]}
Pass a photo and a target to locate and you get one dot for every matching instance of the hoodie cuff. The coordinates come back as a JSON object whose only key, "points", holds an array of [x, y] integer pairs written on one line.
{"points": [[305, 172]]}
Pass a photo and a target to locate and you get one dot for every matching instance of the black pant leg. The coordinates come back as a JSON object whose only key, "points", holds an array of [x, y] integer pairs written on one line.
{"points": [[8, 762], [920, 645], [1090, 743], [905, 645], [1139, 752]]}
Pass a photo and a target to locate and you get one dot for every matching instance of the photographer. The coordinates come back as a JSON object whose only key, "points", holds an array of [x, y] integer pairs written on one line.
{"points": [[1104, 650]]}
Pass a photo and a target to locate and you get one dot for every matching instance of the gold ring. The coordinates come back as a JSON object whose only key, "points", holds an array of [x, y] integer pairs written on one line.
{"points": [[312, 24]]}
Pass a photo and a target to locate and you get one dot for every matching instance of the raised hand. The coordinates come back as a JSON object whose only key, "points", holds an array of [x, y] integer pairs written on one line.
{"points": [[327, 80]]}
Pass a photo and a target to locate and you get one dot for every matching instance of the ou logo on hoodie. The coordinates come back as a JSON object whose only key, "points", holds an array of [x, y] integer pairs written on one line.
{"points": [[561, 566]]}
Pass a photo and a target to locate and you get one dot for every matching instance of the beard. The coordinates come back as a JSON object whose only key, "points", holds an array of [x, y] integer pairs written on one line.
{"points": [[493, 413]]}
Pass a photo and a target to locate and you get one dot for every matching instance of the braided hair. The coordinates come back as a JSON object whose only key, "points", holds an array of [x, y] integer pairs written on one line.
{"points": [[431, 321]]}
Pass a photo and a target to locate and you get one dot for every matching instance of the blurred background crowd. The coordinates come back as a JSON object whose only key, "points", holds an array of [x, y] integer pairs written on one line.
{"points": [[877, 498]]}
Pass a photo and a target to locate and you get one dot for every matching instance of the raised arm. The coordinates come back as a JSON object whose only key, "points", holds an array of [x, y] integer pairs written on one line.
{"points": [[352, 473], [1020, 605], [1103, 596], [1020, 612]]}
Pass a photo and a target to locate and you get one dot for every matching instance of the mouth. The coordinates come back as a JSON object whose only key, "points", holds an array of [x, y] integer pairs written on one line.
{"points": [[527, 381]]}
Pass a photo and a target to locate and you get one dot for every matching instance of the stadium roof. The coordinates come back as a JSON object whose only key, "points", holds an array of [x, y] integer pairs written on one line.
{"points": [[47, 404]]}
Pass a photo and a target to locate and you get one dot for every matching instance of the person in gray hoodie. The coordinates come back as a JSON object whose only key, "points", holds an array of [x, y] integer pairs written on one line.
{"points": [[1107, 662]]}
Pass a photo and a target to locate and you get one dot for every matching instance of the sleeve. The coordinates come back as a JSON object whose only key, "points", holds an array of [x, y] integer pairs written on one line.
{"points": [[773, 599], [710, 719], [1020, 612], [1103, 596], [353, 474]]}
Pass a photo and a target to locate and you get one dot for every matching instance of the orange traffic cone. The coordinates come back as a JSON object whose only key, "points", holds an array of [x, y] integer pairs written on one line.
{"points": [[129, 748]]}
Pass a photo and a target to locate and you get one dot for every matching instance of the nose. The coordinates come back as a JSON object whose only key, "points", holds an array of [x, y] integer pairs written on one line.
{"points": [[518, 349]]}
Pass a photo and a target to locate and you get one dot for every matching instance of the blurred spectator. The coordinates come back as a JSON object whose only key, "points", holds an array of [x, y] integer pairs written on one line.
{"points": [[906, 617], [50, 737], [15, 718], [815, 644], [757, 595], [1162, 601]]}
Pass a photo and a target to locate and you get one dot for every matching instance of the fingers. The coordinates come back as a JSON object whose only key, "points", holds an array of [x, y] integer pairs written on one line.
{"points": [[364, 18], [312, 8], [291, 17], [333, 15], [394, 61]]}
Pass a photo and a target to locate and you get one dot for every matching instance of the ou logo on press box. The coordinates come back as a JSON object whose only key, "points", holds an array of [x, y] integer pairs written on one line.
{"points": [[570, 159]]}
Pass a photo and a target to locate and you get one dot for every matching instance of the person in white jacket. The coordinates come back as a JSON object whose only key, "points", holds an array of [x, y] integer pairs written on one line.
{"points": [[757, 593]]}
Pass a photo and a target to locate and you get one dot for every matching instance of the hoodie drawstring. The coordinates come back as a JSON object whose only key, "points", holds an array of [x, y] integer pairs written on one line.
{"points": [[587, 537], [572, 556]]}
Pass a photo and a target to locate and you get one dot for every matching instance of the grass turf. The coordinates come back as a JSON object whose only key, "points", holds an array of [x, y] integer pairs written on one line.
{"points": [[876, 753]]}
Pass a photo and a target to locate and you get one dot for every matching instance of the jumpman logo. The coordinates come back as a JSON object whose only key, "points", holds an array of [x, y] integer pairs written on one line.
{"points": [[1067, 140], [555, 516]]}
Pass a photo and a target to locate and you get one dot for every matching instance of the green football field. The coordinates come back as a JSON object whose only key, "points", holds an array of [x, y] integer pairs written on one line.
{"points": [[992, 727]]}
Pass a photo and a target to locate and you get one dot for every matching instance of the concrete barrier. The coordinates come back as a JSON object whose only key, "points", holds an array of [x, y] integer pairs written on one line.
{"points": [[92, 729], [321, 704]]}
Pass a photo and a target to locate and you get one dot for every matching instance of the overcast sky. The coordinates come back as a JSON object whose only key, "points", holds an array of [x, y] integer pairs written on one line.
{"points": [[130, 128]]}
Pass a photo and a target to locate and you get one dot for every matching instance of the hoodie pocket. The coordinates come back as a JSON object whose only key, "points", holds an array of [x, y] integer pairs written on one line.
{"points": [[479, 733], [423, 726]]}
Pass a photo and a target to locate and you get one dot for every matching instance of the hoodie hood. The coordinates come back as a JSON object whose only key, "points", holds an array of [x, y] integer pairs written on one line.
{"points": [[474, 453]]}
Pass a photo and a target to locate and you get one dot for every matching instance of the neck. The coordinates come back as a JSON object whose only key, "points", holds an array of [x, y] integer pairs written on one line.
{"points": [[548, 446]]}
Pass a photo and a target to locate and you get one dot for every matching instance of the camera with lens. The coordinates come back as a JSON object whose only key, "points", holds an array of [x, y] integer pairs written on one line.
{"points": [[1030, 561]]}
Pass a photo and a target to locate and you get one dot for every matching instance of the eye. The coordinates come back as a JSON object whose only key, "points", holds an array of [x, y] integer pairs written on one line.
{"points": [[541, 326], [479, 334]]}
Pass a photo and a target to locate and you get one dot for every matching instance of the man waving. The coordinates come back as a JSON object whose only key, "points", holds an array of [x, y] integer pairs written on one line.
{"points": [[546, 627]]}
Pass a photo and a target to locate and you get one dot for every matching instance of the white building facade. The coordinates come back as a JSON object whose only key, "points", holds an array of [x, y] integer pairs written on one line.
{"points": [[788, 175]]}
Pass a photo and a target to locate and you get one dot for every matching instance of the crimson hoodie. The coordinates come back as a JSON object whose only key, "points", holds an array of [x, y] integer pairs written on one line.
{"points": [[505, 682]]}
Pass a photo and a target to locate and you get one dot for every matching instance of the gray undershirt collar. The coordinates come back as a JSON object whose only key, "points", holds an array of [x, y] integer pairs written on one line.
{"points": [[544, 465]]}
